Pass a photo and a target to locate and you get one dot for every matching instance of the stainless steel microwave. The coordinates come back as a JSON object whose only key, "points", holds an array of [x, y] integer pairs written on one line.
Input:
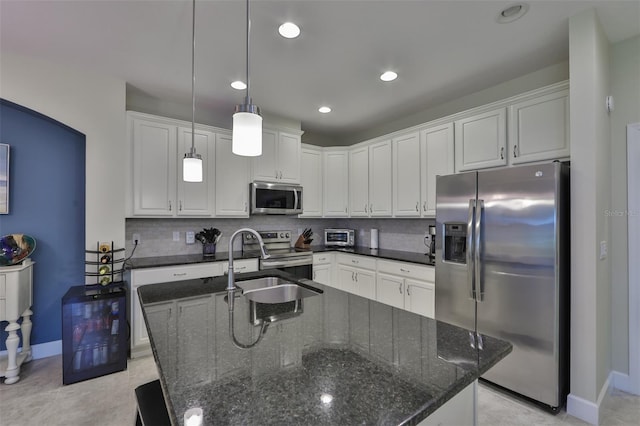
{"points": [[275, 198], [339, 237]]}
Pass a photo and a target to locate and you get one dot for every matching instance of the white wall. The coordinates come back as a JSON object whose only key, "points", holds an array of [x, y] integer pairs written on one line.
{"points": [[625, 88], [92, 104], [590, 198]]}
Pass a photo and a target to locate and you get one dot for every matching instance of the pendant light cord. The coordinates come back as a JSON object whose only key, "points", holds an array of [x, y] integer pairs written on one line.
{"points": [[248, 99], [193, 79]]}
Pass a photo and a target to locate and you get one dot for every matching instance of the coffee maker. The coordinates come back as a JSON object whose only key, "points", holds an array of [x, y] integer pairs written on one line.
{"points": [[432, 242]]}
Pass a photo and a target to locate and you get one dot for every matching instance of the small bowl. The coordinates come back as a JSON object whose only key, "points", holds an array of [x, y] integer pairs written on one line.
{"points": [[14, 248]]}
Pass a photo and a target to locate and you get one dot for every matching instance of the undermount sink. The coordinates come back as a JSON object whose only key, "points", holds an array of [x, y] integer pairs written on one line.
{"points": [[273, 290]]}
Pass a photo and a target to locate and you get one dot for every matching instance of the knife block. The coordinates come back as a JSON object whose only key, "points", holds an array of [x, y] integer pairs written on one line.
{"points": [[300, 243]]}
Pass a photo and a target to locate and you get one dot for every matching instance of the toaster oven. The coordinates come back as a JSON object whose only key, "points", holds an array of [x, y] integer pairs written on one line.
{"points": [[339, 237]]}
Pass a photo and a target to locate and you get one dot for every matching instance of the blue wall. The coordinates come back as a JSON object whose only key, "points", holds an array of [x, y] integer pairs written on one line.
{"points": [[47, 201]]}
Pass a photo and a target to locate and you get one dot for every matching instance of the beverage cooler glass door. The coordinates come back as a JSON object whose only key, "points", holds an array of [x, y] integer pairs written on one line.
{"points": [[94, 335]]}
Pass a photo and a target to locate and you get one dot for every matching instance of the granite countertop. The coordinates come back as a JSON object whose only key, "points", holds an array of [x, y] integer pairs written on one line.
{"points": [[335, 359], [220, 256]]}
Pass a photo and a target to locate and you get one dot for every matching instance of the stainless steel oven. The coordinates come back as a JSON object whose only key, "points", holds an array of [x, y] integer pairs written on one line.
{"points": [[283, 257]]}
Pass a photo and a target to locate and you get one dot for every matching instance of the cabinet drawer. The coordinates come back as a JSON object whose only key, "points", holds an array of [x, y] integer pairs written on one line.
{"points": [[322, 258], [175, 273], [409, 270], [241, 266], [3, 284], [365, 262]]}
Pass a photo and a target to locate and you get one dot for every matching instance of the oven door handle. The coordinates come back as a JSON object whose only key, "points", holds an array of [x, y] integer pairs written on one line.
{"points": [[284, 263]]}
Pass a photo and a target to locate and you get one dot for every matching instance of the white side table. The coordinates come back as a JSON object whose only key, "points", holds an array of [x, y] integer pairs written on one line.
{"points": [[16, 297]]}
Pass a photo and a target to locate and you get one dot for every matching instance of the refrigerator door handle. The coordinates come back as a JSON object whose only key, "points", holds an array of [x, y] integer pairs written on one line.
{"points": [[470, 250], [478, 252]]}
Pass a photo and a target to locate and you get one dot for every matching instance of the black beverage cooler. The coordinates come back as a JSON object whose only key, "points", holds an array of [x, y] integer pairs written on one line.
{"points": [[94, 331]]}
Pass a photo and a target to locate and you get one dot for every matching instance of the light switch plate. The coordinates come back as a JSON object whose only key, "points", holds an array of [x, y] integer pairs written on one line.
{"points": [[190, 236], [603, 250], [176, 235]]}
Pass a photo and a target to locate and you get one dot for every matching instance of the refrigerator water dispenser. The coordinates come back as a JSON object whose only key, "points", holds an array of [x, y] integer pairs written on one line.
{"points": [[455, 242]]}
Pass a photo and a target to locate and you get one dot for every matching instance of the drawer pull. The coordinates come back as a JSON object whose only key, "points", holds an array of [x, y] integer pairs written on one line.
{"points": [[400, 288], [182, 274], [354, 261], [405, 270]]}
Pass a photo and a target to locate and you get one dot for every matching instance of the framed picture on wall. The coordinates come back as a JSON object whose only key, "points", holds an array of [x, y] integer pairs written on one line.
{"points": [[4, 178]]}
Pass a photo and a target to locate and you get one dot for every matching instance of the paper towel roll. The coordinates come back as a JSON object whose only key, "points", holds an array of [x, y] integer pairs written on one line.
{"points": [[374, 239]]}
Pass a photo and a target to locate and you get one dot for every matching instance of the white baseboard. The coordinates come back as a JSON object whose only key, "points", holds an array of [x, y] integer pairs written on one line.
{"points": [[42, 350], [588, 411], [624, 382]]}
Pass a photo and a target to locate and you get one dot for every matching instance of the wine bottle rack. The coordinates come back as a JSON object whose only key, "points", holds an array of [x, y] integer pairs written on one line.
{"points": [[105, 263]]}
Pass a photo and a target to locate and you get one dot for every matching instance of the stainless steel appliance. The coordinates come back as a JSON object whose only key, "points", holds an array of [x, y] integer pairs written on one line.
{"points": [[298, 262], [275, 198], [502, 270], [339, 237]]}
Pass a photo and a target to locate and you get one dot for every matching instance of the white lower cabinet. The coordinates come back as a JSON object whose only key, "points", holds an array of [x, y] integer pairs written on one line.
{"points": [[406, 286], [195, 351], [323, 268], [240, 266], [357, 275], [460, 410], [138, 277]]}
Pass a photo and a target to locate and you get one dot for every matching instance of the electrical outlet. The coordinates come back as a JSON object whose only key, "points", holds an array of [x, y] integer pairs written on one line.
{"points": [[176, 235], [136, 237], [603, 250], [190, 236]]}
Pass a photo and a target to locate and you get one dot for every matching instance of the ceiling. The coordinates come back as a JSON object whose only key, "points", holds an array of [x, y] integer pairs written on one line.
{"points": [[441, 50]]}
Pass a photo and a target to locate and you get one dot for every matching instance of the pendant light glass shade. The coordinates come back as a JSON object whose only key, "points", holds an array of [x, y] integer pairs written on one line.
{"points": [[192, 168], [247, 123], [247, 134]]}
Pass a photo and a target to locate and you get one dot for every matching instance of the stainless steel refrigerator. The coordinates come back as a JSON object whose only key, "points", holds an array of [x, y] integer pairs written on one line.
{"points": [[502, 270]]}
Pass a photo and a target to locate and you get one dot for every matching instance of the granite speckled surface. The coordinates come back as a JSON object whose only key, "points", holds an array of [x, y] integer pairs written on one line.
{"points": [[341, 359], [221, 256]]}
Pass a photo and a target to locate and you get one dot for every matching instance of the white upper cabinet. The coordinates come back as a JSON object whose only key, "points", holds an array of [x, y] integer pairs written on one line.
{"points": [[196, 198], [370, 180], [539, 128], [335, 183], [436, 151], [406, 175], [311, 181], [359, 181], [380, 200], [232, 180], [280, 159], [154, 150], [481, 140]]}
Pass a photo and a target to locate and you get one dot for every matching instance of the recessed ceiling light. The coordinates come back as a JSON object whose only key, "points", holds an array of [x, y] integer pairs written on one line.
{"points": [[289, 30], [238, 85], [388, 76], [513, 12], [324, 109]]}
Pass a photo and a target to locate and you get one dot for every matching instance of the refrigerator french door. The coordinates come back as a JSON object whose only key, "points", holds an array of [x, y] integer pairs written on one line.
{"points": [[502, 270]]}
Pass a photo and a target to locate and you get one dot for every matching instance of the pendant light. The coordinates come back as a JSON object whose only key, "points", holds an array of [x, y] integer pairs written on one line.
{"points": [[192, 162], [247, 122]]}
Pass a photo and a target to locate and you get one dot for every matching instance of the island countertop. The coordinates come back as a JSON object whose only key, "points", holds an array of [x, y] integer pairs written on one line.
{"points": [[336, 358]]}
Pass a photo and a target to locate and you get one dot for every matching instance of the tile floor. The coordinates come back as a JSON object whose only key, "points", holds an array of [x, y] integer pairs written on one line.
{"points": [[39, 398]]}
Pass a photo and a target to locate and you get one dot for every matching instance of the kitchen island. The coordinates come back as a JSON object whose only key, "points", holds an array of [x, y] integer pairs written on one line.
{"points": [[334, 358]]}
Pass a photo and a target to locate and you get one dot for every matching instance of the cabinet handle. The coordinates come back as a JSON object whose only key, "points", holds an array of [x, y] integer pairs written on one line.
{"points": [[515, 151], [400, 288], [276, 174], [371, 208], [418, 206], [180, 274], [356, 277], [280, 174], [353, 276], [180, 205], [405, 270], [424, 206], [408, 292], [169, 205], [354, 261], [345, 210], [365, 208], [245, 206], [502, 153]]}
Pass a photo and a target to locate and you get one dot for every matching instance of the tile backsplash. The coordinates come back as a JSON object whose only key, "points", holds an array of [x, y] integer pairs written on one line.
{"points": [[156, 235]]}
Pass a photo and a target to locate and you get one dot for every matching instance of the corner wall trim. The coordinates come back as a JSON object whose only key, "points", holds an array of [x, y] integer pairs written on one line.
{"points": [[587, 410]]}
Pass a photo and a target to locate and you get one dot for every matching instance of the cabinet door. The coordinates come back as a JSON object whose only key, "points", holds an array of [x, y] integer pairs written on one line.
{"points": [[539, 128], [437, 160], [380, 179], [154, 168], [196, 198], [364, 283], [195, 357], [390, 290], [265, 166], [139, 335], [231, 181], [289, 157], [311, 180], [322, 274], [335, 188], [162, 319], [345, 279], [480, 141], [420, 297], [406, 176], [359, 182]]}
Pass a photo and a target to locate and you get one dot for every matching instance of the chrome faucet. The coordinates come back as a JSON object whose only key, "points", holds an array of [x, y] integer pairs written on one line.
{"points": [[231, 285]]}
